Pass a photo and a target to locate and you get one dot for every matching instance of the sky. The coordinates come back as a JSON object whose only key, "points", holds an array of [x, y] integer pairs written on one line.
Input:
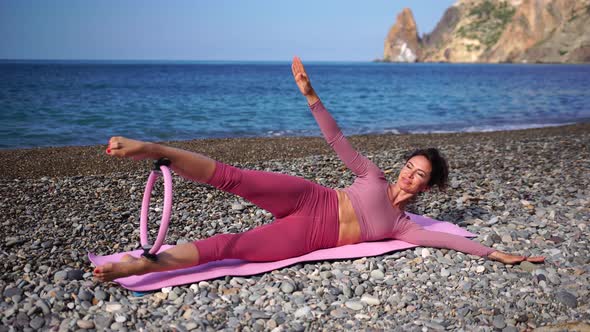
{"points": [[224, 30]]}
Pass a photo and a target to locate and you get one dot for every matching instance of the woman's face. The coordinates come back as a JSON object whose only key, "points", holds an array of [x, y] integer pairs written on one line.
{"points": [[414, 176]]}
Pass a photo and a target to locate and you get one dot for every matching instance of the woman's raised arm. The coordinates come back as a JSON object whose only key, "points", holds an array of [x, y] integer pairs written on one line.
{"points": [[357, 163]]}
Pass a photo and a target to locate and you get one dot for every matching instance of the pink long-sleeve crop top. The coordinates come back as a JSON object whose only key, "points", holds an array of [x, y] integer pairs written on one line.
{"points": [[378, 219]]}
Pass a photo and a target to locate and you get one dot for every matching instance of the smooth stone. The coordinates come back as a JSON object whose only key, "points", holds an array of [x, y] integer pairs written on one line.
{"points": [[337, 313], [102, 322], [287, 287], [346, 291], [567, 298], [60, 276], [237, 207], [22, 319], [510, 329], [10, 311], [495, 238], [498, 322], [354, 305], [37, 323], [359, 290], [43, 306], [85, 324], [377, 274], [100, 295], [301, 312], [370, 300], [556, 239], [85, 295], [256, 314], [434, 326], [480, 269], [120, 318], [10, 292], [425, 253], [75, 275], [112, 307]]}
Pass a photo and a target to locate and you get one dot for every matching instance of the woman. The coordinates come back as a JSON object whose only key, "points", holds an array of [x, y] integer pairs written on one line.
{"points": [[307, 215]]}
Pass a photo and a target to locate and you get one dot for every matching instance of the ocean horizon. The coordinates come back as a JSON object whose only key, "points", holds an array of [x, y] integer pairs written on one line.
{"points": [[83, 102]]}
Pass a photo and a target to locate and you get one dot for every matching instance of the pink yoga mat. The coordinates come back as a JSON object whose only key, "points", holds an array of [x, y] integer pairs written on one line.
{"points": [[236, 267]]}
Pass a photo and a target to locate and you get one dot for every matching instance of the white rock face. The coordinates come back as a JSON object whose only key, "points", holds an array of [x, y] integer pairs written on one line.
{"points": [[406, 54]]}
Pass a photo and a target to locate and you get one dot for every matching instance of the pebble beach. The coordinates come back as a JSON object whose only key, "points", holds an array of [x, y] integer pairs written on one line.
{"points": [[523, 191]]}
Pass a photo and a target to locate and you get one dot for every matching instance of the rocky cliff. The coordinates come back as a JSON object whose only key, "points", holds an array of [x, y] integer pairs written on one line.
{"points": [[402, 43], [537, 31]]}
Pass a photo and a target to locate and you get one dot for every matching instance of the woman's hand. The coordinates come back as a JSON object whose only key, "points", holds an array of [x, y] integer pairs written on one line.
{"points": [[513, 259], [302, 81], [128, 148]]}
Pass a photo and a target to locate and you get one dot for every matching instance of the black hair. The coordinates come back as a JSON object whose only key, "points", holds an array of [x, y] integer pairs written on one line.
{"points": [[439, 175]]}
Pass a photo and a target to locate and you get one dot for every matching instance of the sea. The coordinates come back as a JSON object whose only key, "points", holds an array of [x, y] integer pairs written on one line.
{"points": [[75, 103]]}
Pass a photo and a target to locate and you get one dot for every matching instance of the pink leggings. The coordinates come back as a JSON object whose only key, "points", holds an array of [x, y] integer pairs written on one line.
{"points": [[306, 217]]}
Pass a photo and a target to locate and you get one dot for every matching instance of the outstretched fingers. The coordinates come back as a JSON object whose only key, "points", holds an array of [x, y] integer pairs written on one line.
{"points": [[536, 259], [297, 67]]}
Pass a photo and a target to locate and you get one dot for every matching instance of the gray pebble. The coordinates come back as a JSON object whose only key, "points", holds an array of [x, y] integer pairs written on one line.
{"points": [[302, 312], [85, 324], [43, 306], [567, 298], [377, 274], [337, 313], [102, 321], [100, 295], [37, 323], [359, 290], [75, 275], [498, 322], [354, 305], [85, 295], [60, 276], [10, 292], [287, 287]]}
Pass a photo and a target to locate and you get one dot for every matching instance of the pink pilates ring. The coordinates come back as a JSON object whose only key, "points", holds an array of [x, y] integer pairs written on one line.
{"points": [[160, 168]]}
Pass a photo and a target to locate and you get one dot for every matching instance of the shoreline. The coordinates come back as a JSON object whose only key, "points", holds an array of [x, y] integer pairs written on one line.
{"points": [[91, 160]]}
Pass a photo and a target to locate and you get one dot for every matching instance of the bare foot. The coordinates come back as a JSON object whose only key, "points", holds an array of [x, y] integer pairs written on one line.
{"points": [[513, 259], [128, 148], [128, 266]]}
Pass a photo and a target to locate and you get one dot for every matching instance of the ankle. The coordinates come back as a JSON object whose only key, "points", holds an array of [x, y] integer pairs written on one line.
{"points": [[139, 266]]}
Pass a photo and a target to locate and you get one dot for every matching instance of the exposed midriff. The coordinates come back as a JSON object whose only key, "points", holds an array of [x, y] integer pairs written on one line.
{"points": [[349, 227]]}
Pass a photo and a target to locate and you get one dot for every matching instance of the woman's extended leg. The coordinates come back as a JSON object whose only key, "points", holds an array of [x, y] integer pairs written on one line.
{"points": [[280, 194], [189, 165], [285, 238]]}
